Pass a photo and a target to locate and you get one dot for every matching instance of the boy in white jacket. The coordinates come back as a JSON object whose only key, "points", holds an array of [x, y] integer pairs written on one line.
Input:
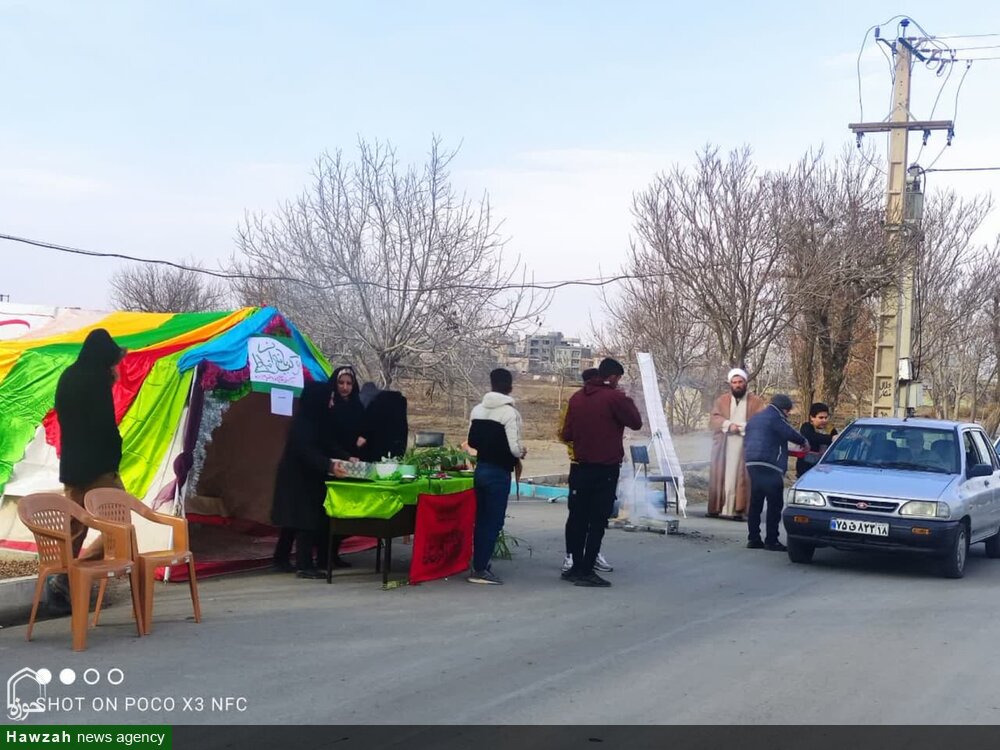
{"points": [[496, 435]]}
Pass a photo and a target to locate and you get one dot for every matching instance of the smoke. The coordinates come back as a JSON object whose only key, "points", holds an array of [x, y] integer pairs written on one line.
{"points": [[638, 500]]}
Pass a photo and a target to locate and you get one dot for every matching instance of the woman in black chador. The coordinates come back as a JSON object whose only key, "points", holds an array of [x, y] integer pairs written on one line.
{"points": [[300, 484]]}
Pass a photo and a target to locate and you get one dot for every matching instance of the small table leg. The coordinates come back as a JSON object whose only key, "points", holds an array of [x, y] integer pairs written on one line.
{"points": [[388, 561], [378, 556], [329, 557]]}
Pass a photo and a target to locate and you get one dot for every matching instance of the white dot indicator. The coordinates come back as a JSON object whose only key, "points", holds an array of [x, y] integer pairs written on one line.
{"points": [[116, 676], [43, 676], [91, 676], [67, 676]]}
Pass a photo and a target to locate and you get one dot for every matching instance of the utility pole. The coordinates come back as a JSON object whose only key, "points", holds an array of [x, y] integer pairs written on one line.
{"points": [[895, 392]]}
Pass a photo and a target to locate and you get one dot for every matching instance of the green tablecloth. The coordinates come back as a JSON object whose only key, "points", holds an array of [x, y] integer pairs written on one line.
{"points": [[357, 499]]}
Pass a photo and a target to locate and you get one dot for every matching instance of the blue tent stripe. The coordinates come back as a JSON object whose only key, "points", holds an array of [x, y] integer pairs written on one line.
{"points": [[229, 351]]}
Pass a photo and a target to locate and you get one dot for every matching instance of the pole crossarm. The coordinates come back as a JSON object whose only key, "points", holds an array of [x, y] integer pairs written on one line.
{"points": [[886, 127]]}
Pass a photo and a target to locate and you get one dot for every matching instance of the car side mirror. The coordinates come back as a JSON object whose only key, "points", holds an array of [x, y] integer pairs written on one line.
{"points": [[980, 470]]}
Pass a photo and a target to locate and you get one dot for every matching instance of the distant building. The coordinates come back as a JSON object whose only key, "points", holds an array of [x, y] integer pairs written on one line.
{"points": [[554, 353]]}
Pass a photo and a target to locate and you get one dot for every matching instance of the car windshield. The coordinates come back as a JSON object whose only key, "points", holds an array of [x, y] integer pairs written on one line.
{"points": [[909, 448]]}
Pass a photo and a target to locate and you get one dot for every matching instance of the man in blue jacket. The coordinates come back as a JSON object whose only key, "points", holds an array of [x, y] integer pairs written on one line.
{"points": [[765, 450]]}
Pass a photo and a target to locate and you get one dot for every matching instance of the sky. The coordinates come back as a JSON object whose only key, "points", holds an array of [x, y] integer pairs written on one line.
{"points": [[151, 128]]}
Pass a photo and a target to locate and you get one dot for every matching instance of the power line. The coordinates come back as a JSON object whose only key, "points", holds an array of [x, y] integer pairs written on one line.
{"points": [[965, 36], [954, 116], [861, 52], [971, 49], [539, 286], [964, 169]]}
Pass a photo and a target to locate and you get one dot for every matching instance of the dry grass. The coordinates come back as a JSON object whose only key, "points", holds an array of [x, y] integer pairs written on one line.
{"points": [[538, 402]]}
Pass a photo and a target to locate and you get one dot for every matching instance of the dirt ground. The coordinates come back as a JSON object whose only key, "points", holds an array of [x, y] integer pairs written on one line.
{"points": [[539, 403]]}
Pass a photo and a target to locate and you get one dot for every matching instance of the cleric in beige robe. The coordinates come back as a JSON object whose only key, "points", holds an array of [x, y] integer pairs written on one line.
{"points": [[728, 483]]}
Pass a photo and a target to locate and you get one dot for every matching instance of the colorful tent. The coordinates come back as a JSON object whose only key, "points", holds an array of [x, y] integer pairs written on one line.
{"points": [[183, 403]]}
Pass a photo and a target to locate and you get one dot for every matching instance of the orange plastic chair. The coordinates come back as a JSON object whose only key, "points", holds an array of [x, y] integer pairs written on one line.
{"points": [[49, 516], [117, 506]]}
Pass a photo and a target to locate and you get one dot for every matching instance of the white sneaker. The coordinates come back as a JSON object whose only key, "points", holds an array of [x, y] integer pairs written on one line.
{"points": [[601, 565], [567, 563]]}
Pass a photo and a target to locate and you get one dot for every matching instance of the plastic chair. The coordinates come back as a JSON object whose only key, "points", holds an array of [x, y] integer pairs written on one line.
{"points": [[117, 506], [640, 457], [49, 516]]}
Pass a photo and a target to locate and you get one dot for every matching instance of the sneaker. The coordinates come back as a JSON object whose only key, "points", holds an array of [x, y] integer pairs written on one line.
{"points": [[755, 544], [591, 580], [775, 547], [567, 563], [601, 565], [282, 567], [485, 576], [312, 573], [570, 575]]}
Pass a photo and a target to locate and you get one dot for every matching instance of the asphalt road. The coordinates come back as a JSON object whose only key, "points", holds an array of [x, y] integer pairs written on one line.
{"points": [[696, 629]]}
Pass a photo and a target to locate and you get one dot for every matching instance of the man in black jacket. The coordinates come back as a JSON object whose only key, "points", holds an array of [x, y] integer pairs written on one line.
{"points": [[765, 449], [90, 445]]}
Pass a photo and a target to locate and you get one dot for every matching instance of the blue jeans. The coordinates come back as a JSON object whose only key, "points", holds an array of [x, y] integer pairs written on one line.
{"points": [[492, 485]]}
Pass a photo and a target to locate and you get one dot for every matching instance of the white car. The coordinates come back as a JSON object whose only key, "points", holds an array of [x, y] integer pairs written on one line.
{"points": [[911, 485]]}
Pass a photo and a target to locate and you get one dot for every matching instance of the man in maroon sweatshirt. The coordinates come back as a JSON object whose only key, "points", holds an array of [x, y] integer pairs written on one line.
{"points": [[595, 422]]}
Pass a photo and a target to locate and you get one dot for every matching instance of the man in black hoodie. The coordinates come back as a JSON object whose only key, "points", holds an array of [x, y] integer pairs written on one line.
{"points": [[91, 446]]}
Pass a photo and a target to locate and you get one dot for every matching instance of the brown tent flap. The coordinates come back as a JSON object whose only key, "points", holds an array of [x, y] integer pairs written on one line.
{"points": [[237, 480]]}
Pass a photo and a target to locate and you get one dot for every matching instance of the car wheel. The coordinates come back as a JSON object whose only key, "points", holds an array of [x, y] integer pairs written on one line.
{"points": [[993, 546], [800, 552], [953, 564]]}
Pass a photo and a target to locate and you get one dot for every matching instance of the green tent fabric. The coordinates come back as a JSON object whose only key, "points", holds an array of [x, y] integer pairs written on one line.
{"points": [[347, 499], [151, 421], [27, 394]]}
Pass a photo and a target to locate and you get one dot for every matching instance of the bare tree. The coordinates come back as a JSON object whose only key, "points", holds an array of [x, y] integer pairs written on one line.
{"points": [[141, 287], [955, 276], [859, 375], [647, 314], [401, 271], [838, 260], [715, 231]]}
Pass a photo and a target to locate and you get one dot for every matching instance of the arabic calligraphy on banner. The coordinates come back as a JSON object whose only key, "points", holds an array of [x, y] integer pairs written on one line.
{"points": [[274, 363]]}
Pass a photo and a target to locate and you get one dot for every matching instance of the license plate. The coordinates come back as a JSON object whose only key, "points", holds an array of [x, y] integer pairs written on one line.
{"points": [[850, 526]]}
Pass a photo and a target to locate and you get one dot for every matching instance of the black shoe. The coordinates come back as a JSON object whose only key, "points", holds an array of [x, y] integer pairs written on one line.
{"points": [[591, 580], [283, 567], [312, 573], [755, 544], [339, 562], [775, 547], [570, 575]]}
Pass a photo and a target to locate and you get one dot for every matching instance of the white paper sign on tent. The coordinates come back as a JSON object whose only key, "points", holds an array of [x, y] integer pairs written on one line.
{"points": [[663, 444], [274, 364], [281, 402]]}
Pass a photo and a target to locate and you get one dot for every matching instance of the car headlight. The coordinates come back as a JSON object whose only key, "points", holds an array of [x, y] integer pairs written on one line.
{"points": [[925, 509], [805, 497]]}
